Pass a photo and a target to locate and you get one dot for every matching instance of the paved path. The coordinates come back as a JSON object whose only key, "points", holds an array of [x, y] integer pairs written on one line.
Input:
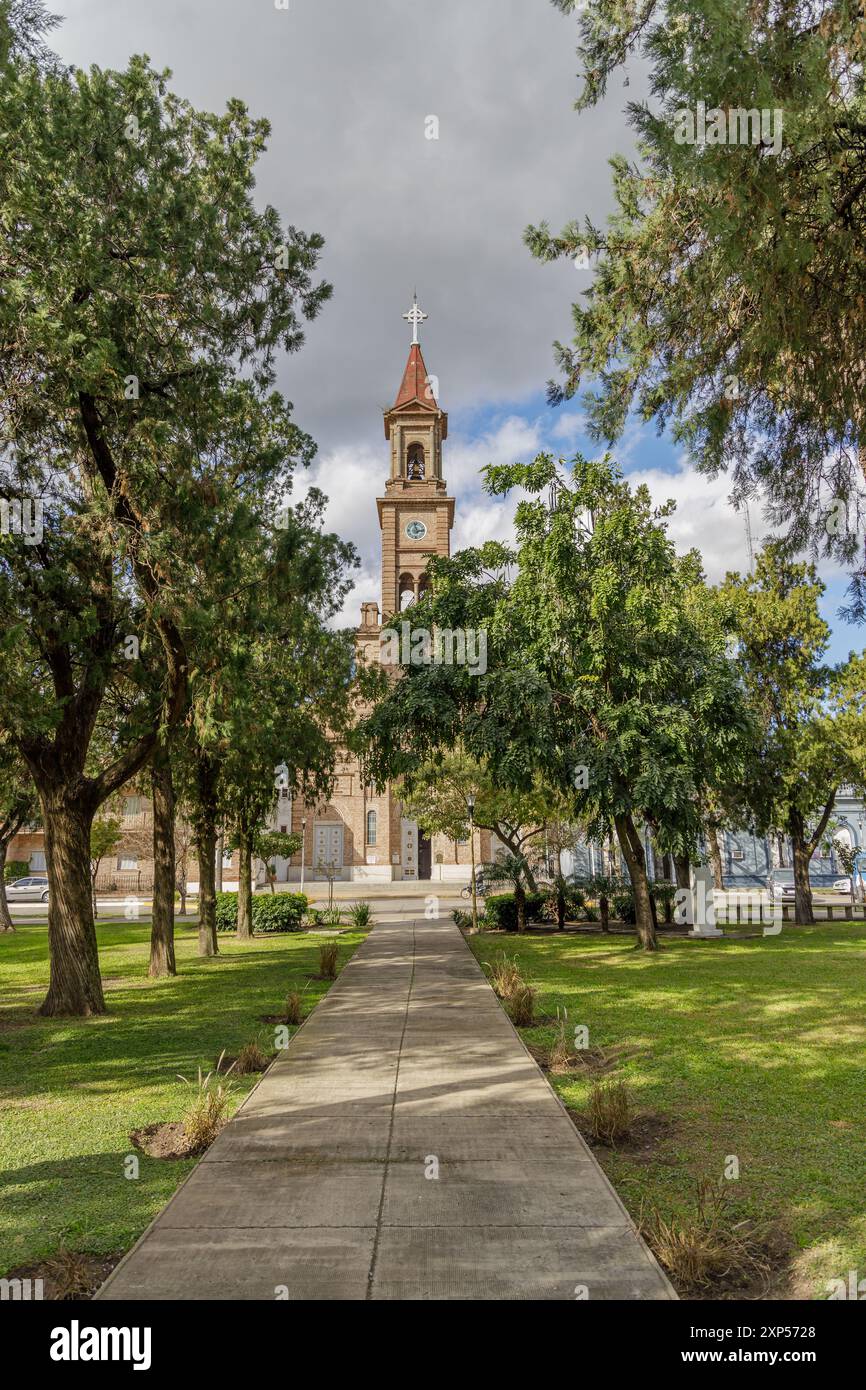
{"points": [[318, 1188]]}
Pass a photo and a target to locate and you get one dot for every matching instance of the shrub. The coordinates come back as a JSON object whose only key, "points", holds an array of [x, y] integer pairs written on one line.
{"points": [[294, 1007], [504, 975], [609, 1111], [312, 917], [359, 915], [328, 953], [272, 912], [250, 1059], [462, 919], [560, 1056], [331, 917], [623, 906], [278, 912], [226, 911], [500, 910], [16, 868], [521, 1005], [575, 904], [697, 1249], [206, 1116]]}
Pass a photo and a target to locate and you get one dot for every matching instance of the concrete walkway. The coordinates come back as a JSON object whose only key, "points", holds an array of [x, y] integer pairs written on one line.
{"points": [[322, 1185]]}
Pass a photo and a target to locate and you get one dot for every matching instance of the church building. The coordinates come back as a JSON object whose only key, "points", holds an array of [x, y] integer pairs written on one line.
{"points": [[362, 833]]}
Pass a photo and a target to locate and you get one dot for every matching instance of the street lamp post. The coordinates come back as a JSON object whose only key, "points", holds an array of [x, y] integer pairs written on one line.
{"points": [[470, 802], [303, 842]]}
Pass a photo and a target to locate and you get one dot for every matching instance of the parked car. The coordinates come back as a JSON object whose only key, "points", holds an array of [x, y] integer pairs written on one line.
{"points": [[780, 884], [28, 890]]}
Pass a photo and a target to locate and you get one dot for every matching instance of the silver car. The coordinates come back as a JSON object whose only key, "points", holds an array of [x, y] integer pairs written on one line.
{"points": [[28, 890], [781, 884]]}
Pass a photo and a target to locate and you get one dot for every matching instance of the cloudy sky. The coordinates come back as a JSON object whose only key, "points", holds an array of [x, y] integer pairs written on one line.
{"points": [[349, 87]]}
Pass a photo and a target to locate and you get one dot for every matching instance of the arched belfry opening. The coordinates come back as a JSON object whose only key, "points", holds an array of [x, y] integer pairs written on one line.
{"points": [[415, 463], [406, 590]]}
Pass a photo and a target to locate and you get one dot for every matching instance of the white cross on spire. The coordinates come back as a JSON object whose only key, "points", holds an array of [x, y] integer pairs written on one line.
{"points": [[415, 316]]}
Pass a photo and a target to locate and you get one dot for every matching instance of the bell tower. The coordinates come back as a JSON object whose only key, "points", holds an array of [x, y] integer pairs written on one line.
{"points": [[416, 514]]}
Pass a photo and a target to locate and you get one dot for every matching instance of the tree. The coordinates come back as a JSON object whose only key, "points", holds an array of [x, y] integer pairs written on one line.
{"points": [[162, 958], [271, 845], [136, 373], [511, 869], [604, 677], [436, 795], [17, 808], [23, 26], [806, 749], [106, 833], [729, 294]]}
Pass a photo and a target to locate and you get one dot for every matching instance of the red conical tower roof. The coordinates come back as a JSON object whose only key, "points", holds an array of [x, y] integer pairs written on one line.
{"points": [[415, 386]]}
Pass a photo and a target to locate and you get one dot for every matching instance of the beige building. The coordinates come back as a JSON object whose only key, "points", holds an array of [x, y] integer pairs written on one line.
{"points": [[362, 833]]}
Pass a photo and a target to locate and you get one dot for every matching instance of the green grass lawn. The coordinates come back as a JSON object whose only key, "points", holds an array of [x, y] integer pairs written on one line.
{"points": [[71, 1090], [754, 1048]]}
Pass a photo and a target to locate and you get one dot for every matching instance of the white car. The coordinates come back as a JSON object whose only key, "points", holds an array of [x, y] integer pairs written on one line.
{"points": [[28, 890]]}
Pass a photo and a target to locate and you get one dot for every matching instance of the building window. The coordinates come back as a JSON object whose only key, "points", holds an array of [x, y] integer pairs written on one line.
{"points": [[132, 805], [371, 827], [127, 861]]}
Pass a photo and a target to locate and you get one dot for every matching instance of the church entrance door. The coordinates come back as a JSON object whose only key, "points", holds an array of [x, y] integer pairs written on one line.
{"points": [[327, 847], [425, 855]]}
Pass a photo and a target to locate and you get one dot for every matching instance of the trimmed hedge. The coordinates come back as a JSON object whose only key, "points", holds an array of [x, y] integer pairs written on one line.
{"points": [[16, 868], [272, 912], [500, 910]]}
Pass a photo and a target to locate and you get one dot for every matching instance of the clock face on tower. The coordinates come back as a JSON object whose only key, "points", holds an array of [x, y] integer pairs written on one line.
{"points": [[416, 530]]}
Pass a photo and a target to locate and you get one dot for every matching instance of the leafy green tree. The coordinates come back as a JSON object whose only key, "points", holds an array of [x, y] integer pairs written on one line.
{"points": [[106, 833], [437, 796], [801, 706], [604, 678], [143, 298], [271, 845], [729, 293], [23, 26]]}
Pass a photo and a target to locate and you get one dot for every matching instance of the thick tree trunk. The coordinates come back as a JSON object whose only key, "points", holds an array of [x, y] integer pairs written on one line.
{"points": [[803, 914], [635, 858], [245, 892], [715, 857], [162, 960], [207, 935], [520, 904], [75, 983], [683, 871], [6, 923]]}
